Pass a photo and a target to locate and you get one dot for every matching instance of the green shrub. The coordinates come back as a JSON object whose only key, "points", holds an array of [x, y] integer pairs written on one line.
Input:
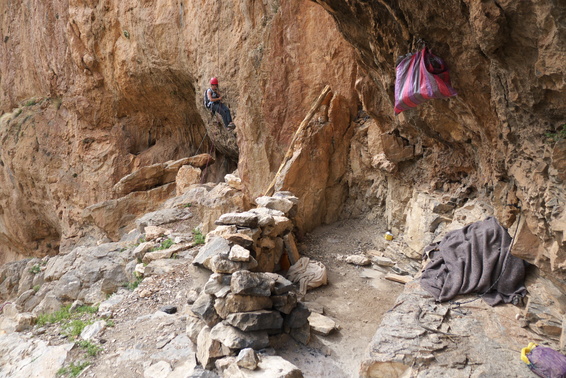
{"points": [[36, 288]]}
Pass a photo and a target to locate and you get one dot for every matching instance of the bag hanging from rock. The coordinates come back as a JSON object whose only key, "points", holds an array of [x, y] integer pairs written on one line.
{"points": [[420, 77]]}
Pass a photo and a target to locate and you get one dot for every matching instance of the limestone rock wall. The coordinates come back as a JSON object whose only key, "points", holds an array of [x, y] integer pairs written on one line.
{"points": [[490, 141], [92, 91]]}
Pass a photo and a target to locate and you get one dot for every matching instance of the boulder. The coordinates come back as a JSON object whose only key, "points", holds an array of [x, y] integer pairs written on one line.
{"points": [[92, 330], [276, 203], [159, 369], [187, 176], [193, 327], [298, 317], [358, 260], [163, 217], [291, 248], [268, 366], [234, 181], [160, 267], [221, 231], [285, 303]]}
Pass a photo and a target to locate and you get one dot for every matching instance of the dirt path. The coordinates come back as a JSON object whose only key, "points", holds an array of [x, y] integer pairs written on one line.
{"points": [[355, 297]]}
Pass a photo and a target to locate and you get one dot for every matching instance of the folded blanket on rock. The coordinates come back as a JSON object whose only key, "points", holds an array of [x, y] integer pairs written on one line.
{"points": [[475, 259]]}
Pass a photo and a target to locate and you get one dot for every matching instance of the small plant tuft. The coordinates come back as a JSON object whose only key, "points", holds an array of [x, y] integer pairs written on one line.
{"points": [[35, 269], [73, 370], [91, 349], [558, 135], [198, 237], [56, 317], [167, 243], [74, 328], [87, 309], [36, 288], [134, 284], [188, 205]]}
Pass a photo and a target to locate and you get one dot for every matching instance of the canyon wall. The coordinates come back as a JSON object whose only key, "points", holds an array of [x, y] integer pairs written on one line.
{"points": [[91, 91]]}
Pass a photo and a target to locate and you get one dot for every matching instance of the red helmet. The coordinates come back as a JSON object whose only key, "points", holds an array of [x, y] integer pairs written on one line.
{"points": [[214, 81]]}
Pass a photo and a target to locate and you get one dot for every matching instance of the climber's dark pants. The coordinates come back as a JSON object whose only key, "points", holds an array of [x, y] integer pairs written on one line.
{"points": [[224, 112]]}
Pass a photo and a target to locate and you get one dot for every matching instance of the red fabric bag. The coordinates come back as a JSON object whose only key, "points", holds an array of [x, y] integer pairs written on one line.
{"points": [[420, 77]]}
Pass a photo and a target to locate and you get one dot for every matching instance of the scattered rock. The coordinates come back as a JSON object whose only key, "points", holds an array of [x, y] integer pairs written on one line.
{"points": [[398, 278], [358, 260], [169, 309], [321, 324], [382, 261], [92, 330], [154, 232], [160, 369]]}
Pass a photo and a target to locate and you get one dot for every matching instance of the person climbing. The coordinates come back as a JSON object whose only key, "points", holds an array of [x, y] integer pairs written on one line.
{"points": [[216, 105]]}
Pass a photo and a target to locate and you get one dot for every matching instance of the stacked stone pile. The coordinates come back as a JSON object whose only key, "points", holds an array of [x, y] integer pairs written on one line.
{"points": [[244, 302]]}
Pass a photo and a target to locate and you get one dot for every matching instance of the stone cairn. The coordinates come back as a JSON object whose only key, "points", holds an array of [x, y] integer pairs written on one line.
{"points": [[244, 301]]}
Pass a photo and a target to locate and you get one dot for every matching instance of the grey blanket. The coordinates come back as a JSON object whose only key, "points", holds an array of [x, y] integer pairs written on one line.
{"points": [[472, 260]]}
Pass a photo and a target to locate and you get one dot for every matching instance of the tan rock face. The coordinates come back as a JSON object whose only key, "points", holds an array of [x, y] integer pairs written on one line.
{"points": [[506, 62], [91, 92]]}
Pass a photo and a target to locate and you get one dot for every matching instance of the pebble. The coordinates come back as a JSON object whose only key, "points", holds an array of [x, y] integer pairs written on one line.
{"points": [[169, 309]]}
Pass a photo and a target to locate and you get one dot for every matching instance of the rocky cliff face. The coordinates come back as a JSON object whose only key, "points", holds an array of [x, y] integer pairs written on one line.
{"points": [[93, 91], [507, 63]]}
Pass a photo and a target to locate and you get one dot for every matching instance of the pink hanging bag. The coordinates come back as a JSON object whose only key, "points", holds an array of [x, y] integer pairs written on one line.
{"points": [[421, 76]]}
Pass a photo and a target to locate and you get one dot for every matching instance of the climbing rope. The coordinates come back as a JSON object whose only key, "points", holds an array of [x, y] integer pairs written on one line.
{"points": [[479, 296], [204, 172]]}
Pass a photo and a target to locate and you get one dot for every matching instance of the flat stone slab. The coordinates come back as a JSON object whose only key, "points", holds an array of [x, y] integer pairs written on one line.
{"points": [[420, 335]]}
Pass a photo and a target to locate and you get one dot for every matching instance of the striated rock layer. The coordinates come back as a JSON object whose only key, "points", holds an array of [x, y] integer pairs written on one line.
{"points": [[93, 91]]}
